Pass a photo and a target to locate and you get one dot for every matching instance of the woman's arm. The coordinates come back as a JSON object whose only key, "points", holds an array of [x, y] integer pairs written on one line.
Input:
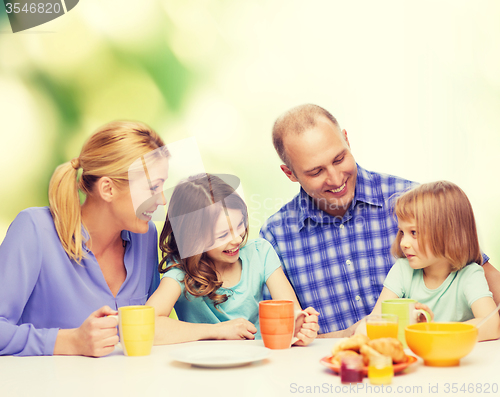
{"points": [[96, 337], [280, 288], [20, 266], [491, 328], [169, 330]]}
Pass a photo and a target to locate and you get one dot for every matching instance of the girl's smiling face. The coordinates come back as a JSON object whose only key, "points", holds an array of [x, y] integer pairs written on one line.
{"points": [[228, 235]]}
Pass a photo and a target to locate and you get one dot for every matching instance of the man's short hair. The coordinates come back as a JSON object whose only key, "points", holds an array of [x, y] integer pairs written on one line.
{"points": [[296, 121]]}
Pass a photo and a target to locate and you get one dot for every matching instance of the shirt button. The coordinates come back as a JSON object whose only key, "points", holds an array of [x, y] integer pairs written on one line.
{"points": [[341, 226], [358, 298], [348, 262]]}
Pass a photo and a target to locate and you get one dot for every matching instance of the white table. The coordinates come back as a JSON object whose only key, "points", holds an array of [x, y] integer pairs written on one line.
{"points": [[292, 372]]}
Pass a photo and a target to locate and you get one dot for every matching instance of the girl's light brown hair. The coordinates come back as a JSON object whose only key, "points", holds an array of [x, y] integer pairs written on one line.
{"points": [[108, 152], [189, 196], [444, 220]]}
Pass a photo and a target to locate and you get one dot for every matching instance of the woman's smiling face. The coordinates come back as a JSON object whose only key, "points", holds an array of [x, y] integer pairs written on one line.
{"points": [[146, 189]]}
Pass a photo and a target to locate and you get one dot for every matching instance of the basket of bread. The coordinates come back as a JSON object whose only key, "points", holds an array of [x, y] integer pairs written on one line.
{"points": [[361, 345]]}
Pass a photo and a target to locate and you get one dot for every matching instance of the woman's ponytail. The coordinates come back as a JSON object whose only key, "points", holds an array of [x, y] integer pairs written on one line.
{"points": [[65, 208]]}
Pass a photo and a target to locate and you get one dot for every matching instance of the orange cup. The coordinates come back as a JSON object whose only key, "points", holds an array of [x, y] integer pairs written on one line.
{"points": [[278, 322]]}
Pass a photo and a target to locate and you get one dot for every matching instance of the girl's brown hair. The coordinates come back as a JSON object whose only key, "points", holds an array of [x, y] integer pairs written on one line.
{"points": [[108, 152], [444, 220], [198, 192]]}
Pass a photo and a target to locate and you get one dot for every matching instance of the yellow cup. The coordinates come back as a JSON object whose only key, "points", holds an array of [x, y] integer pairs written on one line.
{"points": [[136, 326]]}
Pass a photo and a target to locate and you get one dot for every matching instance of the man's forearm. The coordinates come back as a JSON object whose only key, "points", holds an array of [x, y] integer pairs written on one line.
{"points": [[345, 333]]}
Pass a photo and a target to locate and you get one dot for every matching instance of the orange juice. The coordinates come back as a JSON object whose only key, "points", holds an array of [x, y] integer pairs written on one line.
{"points": [[380, 370], [381, 329], [380, 376]]}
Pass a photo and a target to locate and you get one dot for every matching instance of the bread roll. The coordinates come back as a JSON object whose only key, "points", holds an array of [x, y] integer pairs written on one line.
{"points": [[368, 352], [337, 359], [353, 343], [389, 347]]}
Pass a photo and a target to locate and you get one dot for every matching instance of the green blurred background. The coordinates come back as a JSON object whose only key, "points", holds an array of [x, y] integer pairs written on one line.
{"points": [[415, 84]]}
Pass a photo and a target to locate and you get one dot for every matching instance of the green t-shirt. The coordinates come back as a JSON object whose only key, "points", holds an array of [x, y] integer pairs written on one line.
{"points": [[258, 262], [451, 301]]}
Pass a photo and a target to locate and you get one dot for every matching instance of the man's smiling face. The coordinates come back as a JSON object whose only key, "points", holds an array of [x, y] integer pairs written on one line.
{"points": [[323, 165]]}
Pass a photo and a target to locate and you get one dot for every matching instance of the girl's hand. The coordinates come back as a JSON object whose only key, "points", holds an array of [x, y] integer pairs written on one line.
{"points": [[309, 330], [235, 329], [421, 317], [98, 335]]}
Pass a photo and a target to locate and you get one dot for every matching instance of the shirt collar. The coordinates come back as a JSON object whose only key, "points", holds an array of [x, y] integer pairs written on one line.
{"points": [[307, 207], [367, 191], [125, 235]]}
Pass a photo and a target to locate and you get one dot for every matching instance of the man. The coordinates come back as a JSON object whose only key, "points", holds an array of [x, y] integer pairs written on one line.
{"points": [[334, 237]]}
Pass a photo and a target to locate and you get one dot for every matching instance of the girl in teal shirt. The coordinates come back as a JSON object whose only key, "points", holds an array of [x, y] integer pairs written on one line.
{"points": [[439, 258], [212, 276]]}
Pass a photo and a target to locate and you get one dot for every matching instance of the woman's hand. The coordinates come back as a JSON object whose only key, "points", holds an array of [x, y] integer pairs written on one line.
{"points": [[98, 333], [309, 330], [96, 337], [235, 329]]}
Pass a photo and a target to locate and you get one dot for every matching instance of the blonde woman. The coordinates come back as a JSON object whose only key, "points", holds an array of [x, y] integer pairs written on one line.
{"points": [[66, 267]]}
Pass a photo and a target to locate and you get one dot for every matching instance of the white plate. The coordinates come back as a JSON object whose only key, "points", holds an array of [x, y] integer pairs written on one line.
{"points": [[218, 355]]}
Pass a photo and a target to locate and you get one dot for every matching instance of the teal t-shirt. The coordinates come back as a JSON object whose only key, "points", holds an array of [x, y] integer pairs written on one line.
{"points": [[258, 262], [451, 301]]}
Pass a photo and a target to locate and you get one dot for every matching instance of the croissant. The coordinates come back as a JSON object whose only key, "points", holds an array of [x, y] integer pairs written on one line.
{"points": [[353, 343], [389, 347], [368, 352], [337, 359]]}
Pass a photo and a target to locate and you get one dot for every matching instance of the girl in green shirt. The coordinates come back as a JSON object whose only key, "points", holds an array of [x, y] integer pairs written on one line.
{"points": [[439, 258]]}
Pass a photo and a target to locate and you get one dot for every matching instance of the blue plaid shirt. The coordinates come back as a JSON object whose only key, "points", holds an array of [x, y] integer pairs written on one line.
{"points": [[338, 266]]}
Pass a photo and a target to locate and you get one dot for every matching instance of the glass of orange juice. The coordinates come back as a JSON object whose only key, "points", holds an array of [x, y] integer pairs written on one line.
{"points": [[382, 326], [380, 370]]}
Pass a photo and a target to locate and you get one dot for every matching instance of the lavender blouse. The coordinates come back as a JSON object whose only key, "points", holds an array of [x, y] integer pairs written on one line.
{"points": [[42, 290]]}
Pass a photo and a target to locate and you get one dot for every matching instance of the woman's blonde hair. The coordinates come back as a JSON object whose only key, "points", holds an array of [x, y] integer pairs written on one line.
{"points": [[189, 197], [108, 152], [444, 220]]}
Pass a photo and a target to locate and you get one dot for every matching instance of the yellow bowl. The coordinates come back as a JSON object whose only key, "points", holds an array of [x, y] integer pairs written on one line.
{"points": [[441, 344]]}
